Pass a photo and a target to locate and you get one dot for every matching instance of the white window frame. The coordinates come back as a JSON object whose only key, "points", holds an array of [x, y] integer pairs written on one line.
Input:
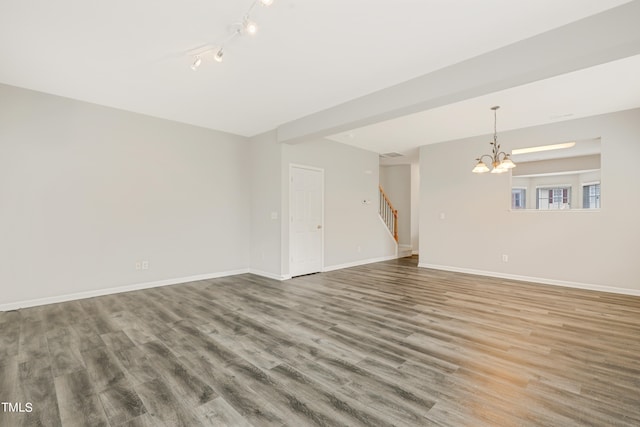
{"points": [[587, 184], [554, 187]]}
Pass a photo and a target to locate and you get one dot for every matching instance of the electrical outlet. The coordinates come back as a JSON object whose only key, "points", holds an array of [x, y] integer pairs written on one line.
{"points": [[138, 265], [145, 265], [359, 249], [505, 258]]}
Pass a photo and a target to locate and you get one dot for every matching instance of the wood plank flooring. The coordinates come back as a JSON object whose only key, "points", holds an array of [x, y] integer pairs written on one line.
{"points": [[378, 345]]}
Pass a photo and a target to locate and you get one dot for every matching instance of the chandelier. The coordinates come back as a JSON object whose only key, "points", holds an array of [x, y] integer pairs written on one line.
{"points": [[500, 161]]}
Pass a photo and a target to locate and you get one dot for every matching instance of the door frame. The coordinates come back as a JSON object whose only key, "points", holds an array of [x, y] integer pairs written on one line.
{"points": [[290, 219]]}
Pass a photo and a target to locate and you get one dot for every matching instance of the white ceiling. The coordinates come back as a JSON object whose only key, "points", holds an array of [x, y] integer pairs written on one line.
{"points": [[609, 87], [308, 56]]}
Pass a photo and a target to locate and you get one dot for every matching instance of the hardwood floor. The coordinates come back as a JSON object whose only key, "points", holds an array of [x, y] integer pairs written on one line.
{"points": [[382, 344]]}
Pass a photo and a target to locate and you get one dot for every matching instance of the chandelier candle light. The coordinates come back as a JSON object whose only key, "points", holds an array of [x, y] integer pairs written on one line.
{"points": [[500, 160]]}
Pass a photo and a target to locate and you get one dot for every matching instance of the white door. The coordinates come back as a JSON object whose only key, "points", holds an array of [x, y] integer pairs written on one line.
{"points": [[306, 222]]}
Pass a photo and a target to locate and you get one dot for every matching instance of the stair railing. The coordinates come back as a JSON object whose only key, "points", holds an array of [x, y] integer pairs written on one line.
{"points": [[388, 214]]}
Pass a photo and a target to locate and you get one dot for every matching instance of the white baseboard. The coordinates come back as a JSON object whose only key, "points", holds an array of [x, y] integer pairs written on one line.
{"points": [[542, 280], [404, 250], [269, 275], [116, 290], [360, 262]]}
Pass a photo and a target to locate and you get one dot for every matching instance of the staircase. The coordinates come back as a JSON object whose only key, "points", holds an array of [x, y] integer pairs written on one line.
{"points": [[388, 214]]}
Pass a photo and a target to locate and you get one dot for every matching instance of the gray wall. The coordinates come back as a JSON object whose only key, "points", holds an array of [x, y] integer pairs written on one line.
{"points": [[86, 191], [349, 224], [415, 206], [598, 248], [396, 182], [266, 200], [351, 176]]}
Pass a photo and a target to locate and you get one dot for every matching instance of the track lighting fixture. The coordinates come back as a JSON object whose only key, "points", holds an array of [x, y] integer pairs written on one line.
{"points": [[196, 63], [246, 26]]}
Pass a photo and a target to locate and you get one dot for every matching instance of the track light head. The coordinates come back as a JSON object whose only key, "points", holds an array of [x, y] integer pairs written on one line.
{"points": [[266, 2], [196, 63], [250, 27], [219, 54]]}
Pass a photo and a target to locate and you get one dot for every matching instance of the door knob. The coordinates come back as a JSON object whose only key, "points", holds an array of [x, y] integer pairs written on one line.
{"points": [[319, 227]]}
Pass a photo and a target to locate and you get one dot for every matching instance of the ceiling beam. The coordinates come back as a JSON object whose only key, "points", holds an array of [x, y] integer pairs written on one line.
{"points": [[607, 36]]}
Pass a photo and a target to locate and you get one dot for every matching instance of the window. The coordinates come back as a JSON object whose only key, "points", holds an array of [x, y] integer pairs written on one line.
{"points": [[558, 179], [591, 196], [554, 198], [518, 198]]}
